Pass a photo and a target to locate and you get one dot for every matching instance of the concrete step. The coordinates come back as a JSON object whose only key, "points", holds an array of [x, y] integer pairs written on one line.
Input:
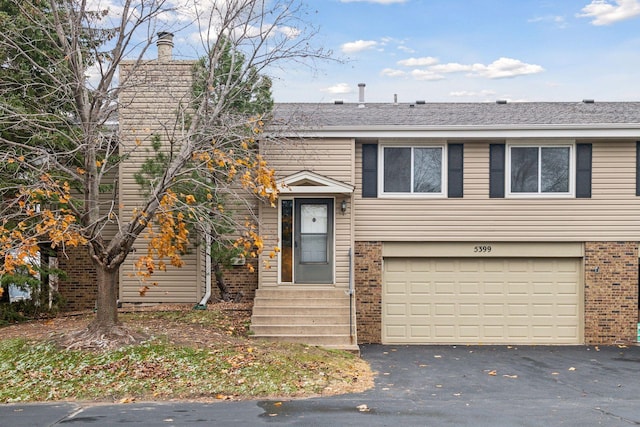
{"points": [[310, 316], [302, 302], [302, 330], [284, 310], [329, 341], [300, 293], [297, 319]]}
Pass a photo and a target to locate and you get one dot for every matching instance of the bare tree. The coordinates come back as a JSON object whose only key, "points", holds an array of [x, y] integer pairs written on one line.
{"points": [[55, 189]]}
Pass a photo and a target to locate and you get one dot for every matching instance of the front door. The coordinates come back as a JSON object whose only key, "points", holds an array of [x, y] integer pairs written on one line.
{"points": [[313, 241]]}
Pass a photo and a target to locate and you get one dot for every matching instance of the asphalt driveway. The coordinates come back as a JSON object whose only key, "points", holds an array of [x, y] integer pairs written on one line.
{"points": [[416, 386]]}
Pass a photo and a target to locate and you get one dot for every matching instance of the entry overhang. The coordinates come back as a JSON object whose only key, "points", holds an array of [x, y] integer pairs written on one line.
{"points": [[308, 182]]}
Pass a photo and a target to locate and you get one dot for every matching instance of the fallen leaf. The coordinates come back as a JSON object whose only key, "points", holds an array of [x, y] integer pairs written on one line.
{"points": [[555, 373], [510, 376], [493, 373], [126, 400], [277, 404], [363, 408], [437, 356], [572, 368]]}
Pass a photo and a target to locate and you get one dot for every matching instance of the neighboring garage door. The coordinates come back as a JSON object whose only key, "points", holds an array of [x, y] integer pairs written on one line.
{"points": [[482, 301]]}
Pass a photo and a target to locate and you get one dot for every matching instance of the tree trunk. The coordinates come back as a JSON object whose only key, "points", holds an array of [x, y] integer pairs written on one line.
{"points": [[225, 295], [107, 299]]}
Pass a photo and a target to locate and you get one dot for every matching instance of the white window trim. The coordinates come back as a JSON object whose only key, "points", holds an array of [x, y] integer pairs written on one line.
{"points": [[443, 174], [538, 144]]}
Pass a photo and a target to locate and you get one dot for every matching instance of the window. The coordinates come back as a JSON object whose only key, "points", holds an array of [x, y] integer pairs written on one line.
{"points": [[414, 170], [540, 170]]}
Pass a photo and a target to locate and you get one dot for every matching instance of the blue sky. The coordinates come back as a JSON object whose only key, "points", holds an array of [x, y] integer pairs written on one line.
{"points": [[472, 51]]}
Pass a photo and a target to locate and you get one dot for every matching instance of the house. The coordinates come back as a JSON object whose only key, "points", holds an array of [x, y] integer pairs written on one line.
{"points": [[428, 223]]}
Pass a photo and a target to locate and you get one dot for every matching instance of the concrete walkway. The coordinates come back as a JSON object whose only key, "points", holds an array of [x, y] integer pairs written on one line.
{"points": [[416, 386]]}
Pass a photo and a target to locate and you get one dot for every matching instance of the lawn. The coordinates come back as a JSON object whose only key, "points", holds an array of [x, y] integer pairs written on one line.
{"points": [[189, 354]]}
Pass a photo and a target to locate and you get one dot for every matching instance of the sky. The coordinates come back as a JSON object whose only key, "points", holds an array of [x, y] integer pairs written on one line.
{"points": [[471, 51]]}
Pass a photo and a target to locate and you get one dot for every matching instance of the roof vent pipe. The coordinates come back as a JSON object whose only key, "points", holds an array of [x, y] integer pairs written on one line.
{"points": [[361, 94], [395, 98], [165, 46]]}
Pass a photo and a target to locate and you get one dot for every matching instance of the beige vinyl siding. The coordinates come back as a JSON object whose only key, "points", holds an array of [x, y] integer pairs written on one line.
{"points": [[332, 158], [151, 107], [611, 213]]}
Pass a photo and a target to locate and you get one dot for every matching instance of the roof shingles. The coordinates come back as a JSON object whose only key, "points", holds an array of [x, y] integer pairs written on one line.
{"points": [[458, 114]]}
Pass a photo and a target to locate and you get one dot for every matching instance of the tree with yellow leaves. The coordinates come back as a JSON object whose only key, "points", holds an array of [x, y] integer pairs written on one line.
{"points": [[66, 162]]}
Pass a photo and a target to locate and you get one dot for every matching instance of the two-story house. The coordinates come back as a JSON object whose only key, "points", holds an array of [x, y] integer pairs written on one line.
{"points": [[427, 223]]}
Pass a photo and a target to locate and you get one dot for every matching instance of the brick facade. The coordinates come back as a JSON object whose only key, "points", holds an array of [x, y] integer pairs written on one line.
{"points": [[368, 286], [240, 279], [79, 289], [610, 292]]}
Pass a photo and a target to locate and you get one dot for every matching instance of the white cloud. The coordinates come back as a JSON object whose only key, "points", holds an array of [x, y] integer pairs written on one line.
{"points": [[471, 94], [289, 32], [374, 1], [504, 68], [426, 75], [358, 46], [390, 72], [558, 21], [405, 49], [605, 13], [339, 88], [419, 62], [452, 67]]}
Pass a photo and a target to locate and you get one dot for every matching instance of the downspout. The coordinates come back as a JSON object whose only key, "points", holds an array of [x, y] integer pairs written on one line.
{"points": [[351, 292], [207, 274]]}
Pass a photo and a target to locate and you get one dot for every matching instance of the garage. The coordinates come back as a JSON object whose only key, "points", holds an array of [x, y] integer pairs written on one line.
{"points": [[482, 300]]}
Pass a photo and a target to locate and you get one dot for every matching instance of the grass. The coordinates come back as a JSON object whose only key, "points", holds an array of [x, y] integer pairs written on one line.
{"points": [[160, 369]]}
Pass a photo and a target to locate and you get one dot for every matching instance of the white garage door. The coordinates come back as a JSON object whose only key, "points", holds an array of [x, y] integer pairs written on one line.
{"points": [[482, 301]]}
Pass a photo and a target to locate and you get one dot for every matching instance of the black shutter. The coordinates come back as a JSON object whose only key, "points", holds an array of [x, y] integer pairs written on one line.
{"points": [[583, 171], [496, 170], [638, 168], [455, 171], [369, 170]]}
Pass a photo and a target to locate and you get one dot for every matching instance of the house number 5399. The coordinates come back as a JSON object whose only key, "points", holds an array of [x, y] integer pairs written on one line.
{"points": [[482, 249]]}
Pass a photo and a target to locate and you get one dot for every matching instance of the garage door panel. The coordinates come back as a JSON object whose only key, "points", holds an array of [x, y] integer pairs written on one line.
{"points": [[494, 288], [471, 310], [492, 300], [420, 309], [396, 309], [421, 331]]}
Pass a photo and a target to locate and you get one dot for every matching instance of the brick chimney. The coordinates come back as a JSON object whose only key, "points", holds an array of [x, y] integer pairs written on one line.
{"points": [[165, 46]]}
